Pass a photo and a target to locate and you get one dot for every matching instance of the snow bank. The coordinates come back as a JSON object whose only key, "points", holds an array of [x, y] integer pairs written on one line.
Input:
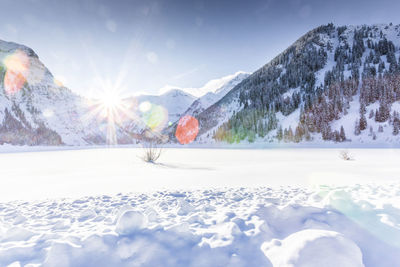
{"points": [[313, 248], [289, 226]]}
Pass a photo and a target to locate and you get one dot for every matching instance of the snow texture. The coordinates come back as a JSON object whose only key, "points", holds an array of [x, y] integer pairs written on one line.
{"points": [[289, 226], [203, 216]]}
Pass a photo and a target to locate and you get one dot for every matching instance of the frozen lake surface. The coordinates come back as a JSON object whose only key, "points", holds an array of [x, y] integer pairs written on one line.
{"points": [[76, 173], [200, 207]]}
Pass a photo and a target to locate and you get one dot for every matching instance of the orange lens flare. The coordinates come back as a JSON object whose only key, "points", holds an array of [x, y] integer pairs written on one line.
{"points": [[187, 129], [13, 82]]}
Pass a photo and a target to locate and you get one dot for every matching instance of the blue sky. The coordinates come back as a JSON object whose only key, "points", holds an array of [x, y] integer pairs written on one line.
{"points": [[143, 45]]}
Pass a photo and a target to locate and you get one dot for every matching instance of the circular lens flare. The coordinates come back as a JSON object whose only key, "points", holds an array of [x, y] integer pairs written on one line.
{"points": [[59, 80], [17, 68], [17, 61], [187, 129], [156, 117], [145, 106], [13, 82]]}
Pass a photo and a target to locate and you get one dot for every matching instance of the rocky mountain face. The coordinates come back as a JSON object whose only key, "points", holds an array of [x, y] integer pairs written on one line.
{"points": [[335, 84]]}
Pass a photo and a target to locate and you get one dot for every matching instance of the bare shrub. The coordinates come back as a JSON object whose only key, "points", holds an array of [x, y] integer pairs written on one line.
{"points": [[151, 143], [345, 155], [152, 151]]}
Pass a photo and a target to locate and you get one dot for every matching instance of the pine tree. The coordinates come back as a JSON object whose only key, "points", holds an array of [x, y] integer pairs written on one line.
{"points": [[396, 122], [290, 134], [357, 128], [342, 134], [279, 133], [384, 110], [298, 136], [363, 122], [336, 136], [363, 110], [377, 115], [327, 133], [251, 137], [395, 129]]}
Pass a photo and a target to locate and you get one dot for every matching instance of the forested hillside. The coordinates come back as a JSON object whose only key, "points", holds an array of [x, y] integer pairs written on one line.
{"points": [[334, 83]]}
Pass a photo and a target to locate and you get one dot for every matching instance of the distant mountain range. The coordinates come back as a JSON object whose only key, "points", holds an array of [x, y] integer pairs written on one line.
{"points": [[334, 84], [35, 109]]}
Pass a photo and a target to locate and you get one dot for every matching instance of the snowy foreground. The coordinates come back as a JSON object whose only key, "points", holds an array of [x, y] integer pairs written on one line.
{"points": [[200, 207]]}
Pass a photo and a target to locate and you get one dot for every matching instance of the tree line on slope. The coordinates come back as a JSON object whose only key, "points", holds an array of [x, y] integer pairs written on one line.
{"points": [[264, 93]]}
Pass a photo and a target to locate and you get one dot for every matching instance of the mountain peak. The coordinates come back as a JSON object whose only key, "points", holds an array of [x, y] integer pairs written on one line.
{"points": [[10, 47], [177, 92]]}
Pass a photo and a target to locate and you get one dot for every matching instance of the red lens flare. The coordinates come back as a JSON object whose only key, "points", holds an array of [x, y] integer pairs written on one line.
{"points": [[13, 82], [17, 67], [187, 129]]}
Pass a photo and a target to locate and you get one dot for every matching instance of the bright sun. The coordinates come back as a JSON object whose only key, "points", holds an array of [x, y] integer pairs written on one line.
{"points": [[109, 106], [110, 100]]}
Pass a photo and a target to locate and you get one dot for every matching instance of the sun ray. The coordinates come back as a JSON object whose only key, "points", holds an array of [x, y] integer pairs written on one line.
{"points": [[112, 110]]}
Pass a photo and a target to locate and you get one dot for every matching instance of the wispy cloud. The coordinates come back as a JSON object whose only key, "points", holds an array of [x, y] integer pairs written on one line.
{"points": [[187, 73]]}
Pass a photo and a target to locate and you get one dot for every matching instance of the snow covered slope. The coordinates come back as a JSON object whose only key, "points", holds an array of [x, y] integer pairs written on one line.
{"points": [[331, 77], [36, 109], [212, 96], [175, 101]]}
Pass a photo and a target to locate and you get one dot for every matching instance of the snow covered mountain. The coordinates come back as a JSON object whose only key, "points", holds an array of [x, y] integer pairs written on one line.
{"points": [[175, 101], [156, 112], [150, 114], [35, 109], [335, 84], [212, 96]]}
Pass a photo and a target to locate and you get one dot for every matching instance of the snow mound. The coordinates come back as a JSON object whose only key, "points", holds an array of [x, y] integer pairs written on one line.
{"points": [[130, 222], [313, 248]]}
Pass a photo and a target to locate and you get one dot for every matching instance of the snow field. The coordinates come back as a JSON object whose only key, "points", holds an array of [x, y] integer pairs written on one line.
{"points": [[91, 172], [200, 207], [287, 226]]}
